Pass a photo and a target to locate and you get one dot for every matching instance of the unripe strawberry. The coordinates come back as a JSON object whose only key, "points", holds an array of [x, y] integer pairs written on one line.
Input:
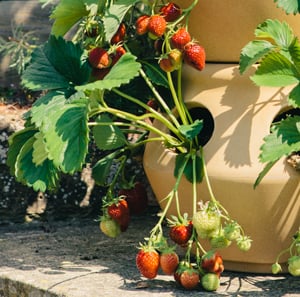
{"points": [[210, 281], [244, 243], [171, 12], [99, 58], [294, 265], [119, 35], [141, 25], [276, 268], [109, 227], [219, 241], [157, 26], [194, 55], [172, 61], [180, 38]]}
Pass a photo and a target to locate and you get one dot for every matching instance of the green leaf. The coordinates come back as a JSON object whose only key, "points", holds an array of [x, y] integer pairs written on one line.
{"points": [[121, 73], [263, 173], [114, 16], [40, 154], [16, 142], [46, 105], [280, 32], [39, 177], [283, 140], [184, 164], [155, 74], [289, 6], [67, 136], [294, 97], [253, 52], [101, 170], [56, 65], [41, 75], [66, 58], [67, 13], [107, 135], [275, 70], [192, 130], [294, 51]]}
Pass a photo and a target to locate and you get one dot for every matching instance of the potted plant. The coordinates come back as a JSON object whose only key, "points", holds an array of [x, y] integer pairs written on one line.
{"points": [[117, 84]]}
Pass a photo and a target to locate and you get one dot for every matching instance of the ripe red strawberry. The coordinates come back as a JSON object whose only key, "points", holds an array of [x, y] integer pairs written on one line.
{"points": [[147, 262], [180, 38], [212, 262], [99, 58], [157, 26], [115, 57], [169, 261], [109, 227], [171, 12], [180, 233], [187, 276], [119, 212], [152, 103], [119, 35], [194, 55], [141, 25], [136, 198], [98, 74]]}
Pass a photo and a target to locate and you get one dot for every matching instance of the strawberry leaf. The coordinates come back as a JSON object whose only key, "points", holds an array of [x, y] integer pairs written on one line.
{"points": [[56, 65], [263, 173], [253, 52], [40, 177], [114, 16], [289, 6], [67, 13], [67, 137], [294, 97], [276, 70], [155, 74], [283, 140], [102, 168], [107, 135], [280, 32], [16, 141], [121, 73], [192, 130]]}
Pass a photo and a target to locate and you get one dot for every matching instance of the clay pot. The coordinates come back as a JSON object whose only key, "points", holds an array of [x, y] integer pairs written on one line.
{"points": [[224, 27], [242, 115]]}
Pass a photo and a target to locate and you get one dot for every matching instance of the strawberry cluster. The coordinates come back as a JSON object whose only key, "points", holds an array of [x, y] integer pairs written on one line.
{"points": [[176, 43]]}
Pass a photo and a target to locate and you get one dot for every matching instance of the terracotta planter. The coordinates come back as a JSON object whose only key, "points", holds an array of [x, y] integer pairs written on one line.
{"points": [[242, 116], [224, 27]]}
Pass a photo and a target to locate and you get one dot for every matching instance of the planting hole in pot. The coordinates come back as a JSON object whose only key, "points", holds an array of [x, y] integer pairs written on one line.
{"points": [[283, 114], [202, 113]]}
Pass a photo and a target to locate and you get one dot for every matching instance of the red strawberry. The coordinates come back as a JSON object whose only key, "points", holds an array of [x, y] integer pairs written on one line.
{"points": [[119, 52], [147, 262], [99, 58], [212, 262], [141, 25], [98, 74], [157, 26], [169, 261], [136, 198], [171, 12], [180, 233], [194, 55], [119, 35], [187, 276], [119, 212], [166, 65], [180, 38], [152, 103]]}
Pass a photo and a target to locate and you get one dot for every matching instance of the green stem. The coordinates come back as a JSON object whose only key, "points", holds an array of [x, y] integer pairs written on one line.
{"points": [[194, 184]]}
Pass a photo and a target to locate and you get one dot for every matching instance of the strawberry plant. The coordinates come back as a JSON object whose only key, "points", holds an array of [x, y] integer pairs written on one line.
{"points": [[105, 85]]}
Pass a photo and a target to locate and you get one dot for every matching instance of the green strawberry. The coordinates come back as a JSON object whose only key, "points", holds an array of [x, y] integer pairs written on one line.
{"points": [[219, 241], [244, 243], [210, 281], [109, 227], [294, 265], [232, 231]]}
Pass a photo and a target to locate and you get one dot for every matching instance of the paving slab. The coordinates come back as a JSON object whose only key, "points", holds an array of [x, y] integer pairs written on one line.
{"points": [[73, 258]]}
